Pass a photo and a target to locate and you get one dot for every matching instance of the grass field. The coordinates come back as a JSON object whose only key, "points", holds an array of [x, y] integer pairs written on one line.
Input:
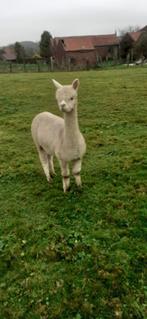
{"points": [[79, 255]]}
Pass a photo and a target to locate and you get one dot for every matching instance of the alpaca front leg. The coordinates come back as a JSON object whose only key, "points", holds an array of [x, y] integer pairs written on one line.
{"points": [[51, 165], [76, 169], [45, 163], [65, 175]]}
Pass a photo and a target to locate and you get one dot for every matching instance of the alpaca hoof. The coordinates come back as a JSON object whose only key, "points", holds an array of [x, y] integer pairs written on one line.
{"points": [[67, 189], [49, 180], [53, 174], [79, 186], [80, 189]]}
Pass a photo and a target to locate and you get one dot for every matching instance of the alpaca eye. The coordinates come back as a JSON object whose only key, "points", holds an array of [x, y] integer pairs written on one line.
{"points": [[72, 98]]}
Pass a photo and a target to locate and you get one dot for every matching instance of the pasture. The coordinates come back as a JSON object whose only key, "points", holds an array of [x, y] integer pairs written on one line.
{"points": [[82, 254]]}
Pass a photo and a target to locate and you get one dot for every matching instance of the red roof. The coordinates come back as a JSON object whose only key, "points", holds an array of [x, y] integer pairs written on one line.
{"points": [[108, 39], [78, 43], [9, 54], [144, 28], [135, 35]]}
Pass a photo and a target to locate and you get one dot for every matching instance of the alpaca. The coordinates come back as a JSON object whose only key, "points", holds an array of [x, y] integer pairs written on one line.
{"points": [[61, 137]]}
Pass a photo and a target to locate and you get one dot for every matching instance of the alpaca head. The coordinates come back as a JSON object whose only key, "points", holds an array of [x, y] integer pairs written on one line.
{"points": [[66, 95]]}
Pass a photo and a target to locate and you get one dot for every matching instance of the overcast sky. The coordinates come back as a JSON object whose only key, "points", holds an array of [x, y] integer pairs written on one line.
{"points": [[25, 20]]}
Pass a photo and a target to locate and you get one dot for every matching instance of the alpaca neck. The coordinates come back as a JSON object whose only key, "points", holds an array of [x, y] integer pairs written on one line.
{"points": [[71, 127]]}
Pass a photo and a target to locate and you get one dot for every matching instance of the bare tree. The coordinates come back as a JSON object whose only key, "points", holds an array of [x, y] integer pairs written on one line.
{"points": [[1, 53], [128, 29], [141, 46]]}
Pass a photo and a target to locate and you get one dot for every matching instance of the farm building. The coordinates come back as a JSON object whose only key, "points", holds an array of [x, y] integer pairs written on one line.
{"points": [[129, 41], [9, 54], [144, 29], [85, 51]]}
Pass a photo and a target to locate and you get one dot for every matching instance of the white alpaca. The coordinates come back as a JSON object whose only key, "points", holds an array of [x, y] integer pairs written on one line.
{"points": [[54, 135]]}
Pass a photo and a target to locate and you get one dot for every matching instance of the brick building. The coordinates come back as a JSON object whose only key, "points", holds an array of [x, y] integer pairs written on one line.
{"points": [[85, 51], [9, 54]]}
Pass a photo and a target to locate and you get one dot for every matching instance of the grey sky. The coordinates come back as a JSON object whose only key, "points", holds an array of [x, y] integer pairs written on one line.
{"points": [[25, 20]]}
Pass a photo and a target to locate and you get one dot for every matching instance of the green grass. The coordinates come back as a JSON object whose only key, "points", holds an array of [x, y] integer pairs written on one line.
{"points": [[79, 255]]}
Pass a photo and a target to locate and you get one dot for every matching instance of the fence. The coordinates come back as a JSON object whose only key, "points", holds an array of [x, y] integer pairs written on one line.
{"points": [[9, 67], [6, 67]]}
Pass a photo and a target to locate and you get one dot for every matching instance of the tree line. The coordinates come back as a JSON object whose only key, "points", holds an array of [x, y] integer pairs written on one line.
{"points": [[45, 50]]}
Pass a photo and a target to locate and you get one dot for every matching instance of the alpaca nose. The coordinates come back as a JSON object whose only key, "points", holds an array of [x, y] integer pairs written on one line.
{"points": [[63, 104]]}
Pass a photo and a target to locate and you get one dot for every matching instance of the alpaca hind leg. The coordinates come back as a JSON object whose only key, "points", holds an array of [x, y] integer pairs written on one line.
{"points": [[51, 165], [76, 169], [65, 175], [45, 163]]}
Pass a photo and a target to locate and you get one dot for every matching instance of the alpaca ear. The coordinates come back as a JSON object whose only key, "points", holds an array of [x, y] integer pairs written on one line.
{"points": [[75, 84], [57, 84]]}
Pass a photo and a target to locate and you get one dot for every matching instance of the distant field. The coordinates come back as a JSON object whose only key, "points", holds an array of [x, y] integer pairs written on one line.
{"points": [[79, 255]]}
